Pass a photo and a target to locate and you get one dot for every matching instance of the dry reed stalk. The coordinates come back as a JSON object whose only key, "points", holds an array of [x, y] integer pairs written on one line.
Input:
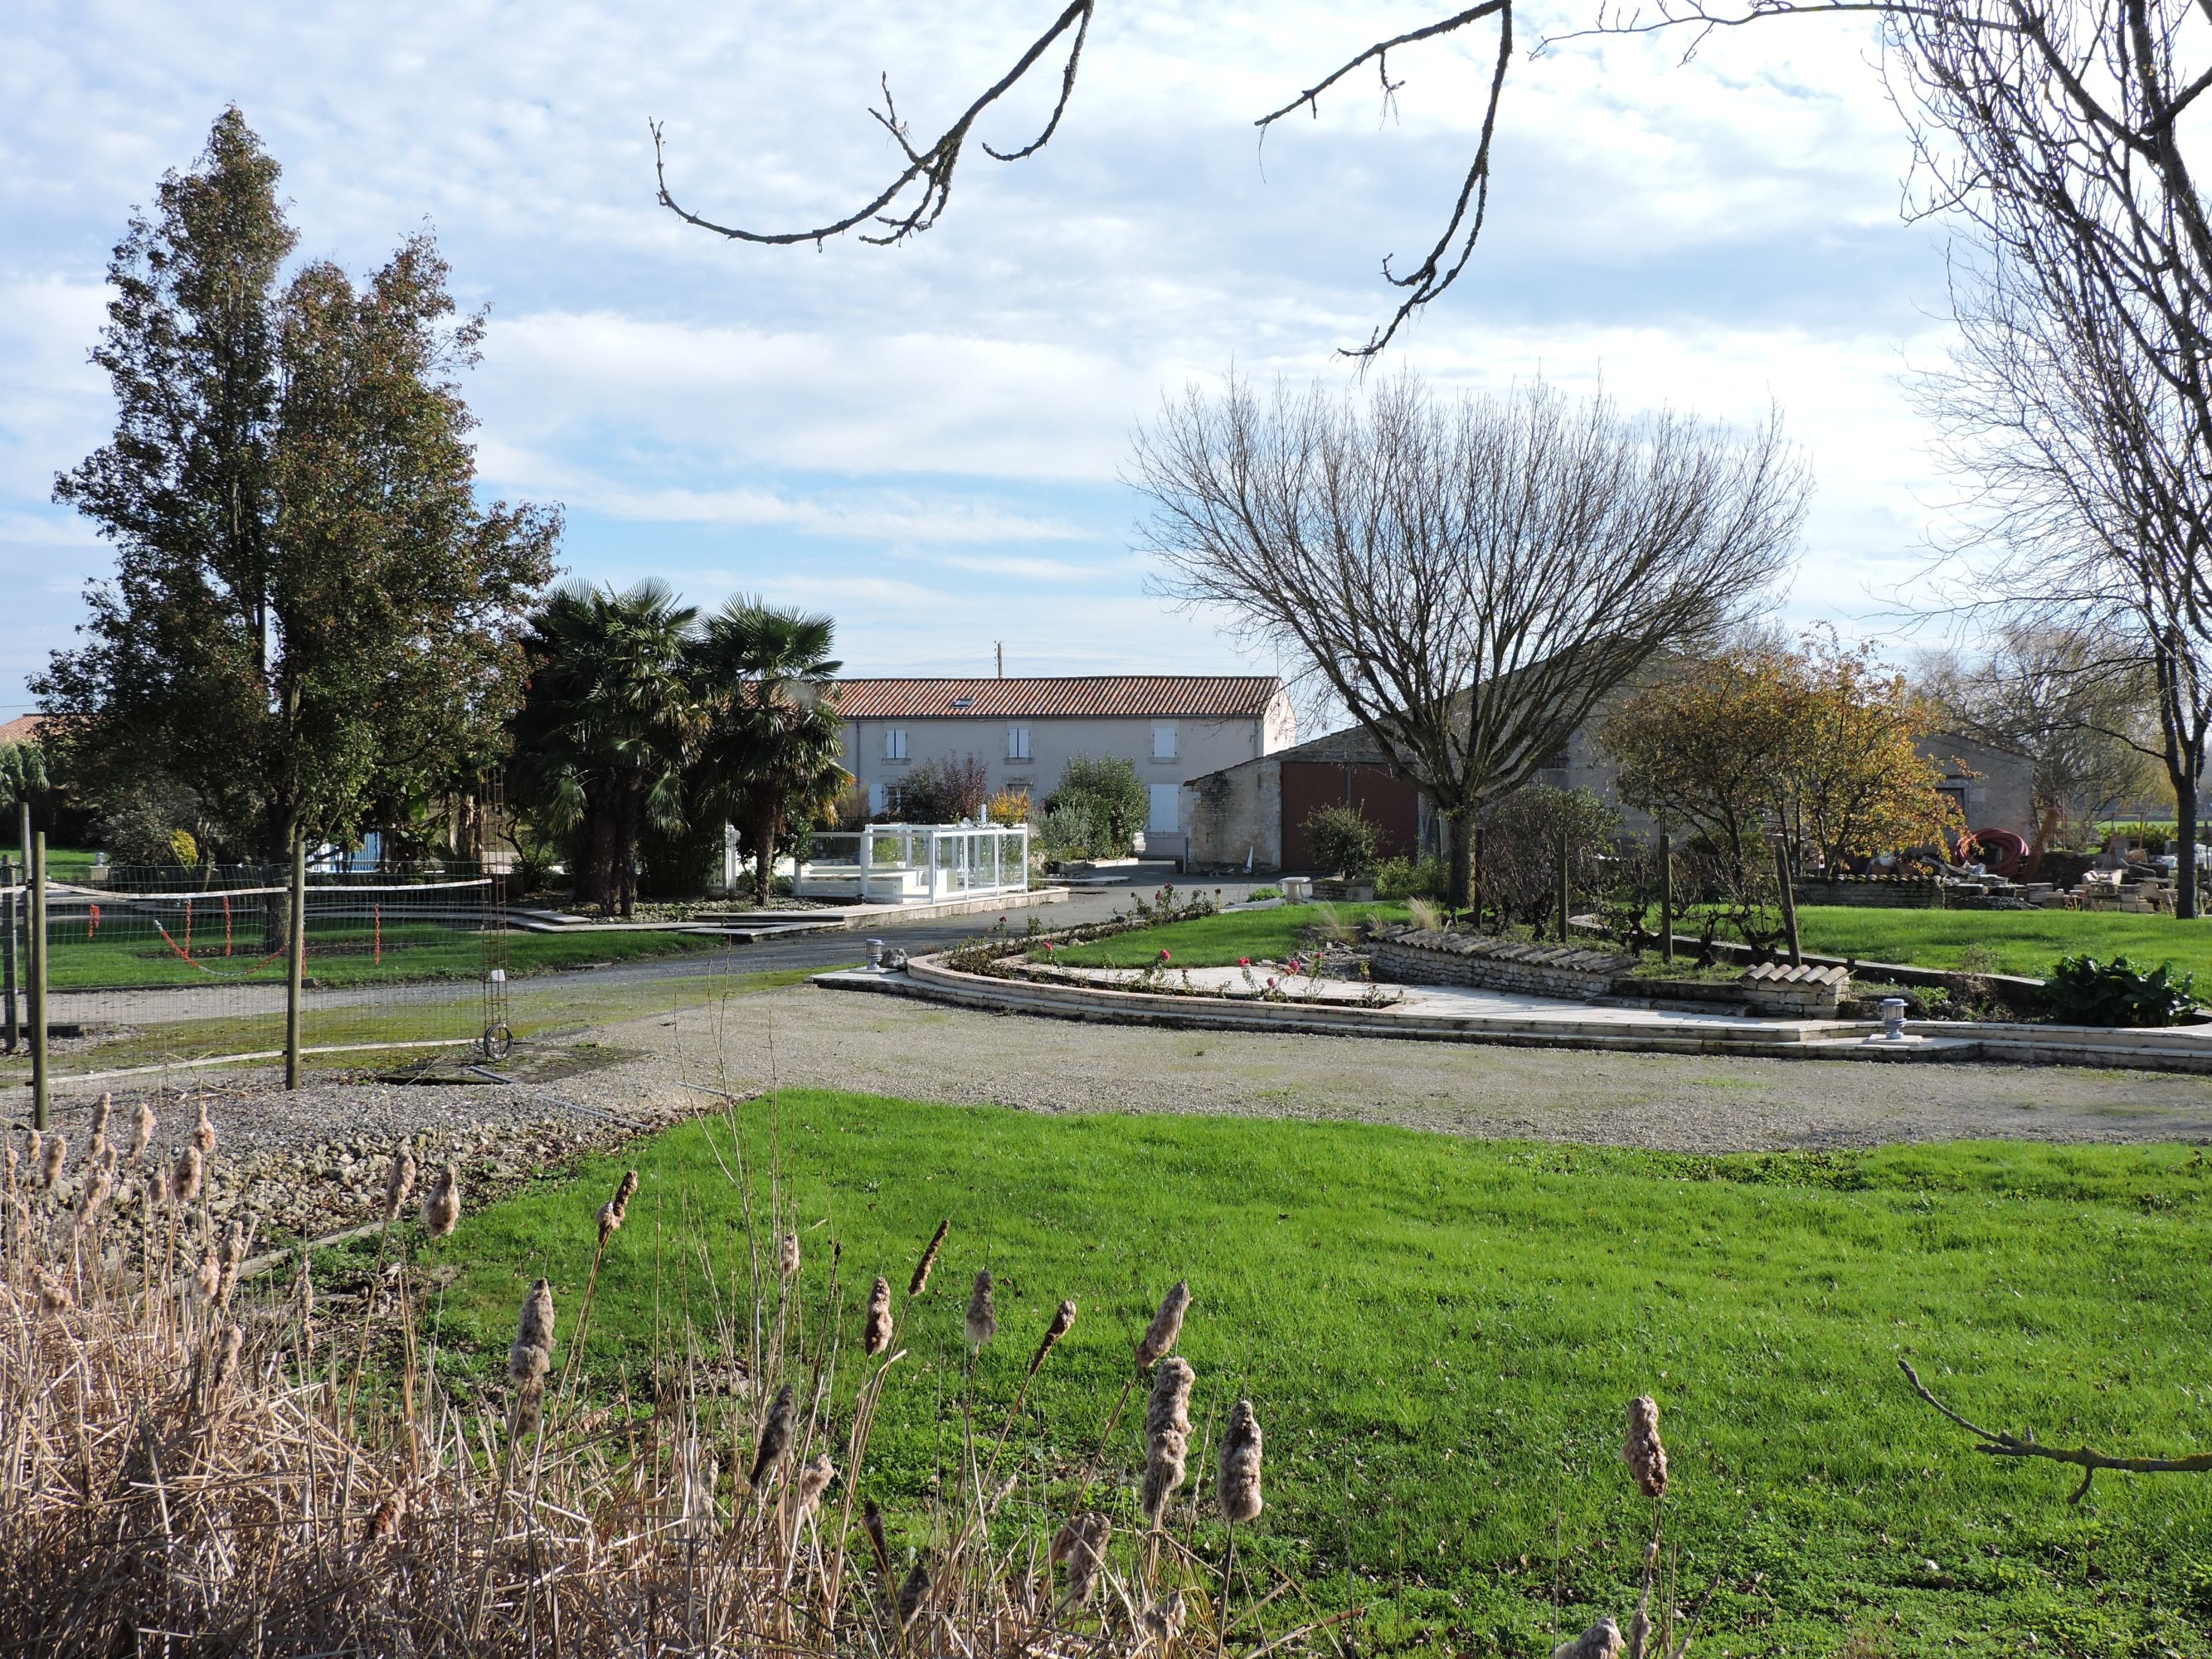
{"points": [[982, 1324], [1063, 1321], [920, 1282]]}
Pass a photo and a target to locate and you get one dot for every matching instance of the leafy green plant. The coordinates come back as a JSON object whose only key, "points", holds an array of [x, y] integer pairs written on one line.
{"points": [[1259, 893], [1343, 840], [1404, 877], [1107, 796], [2083, 991]]}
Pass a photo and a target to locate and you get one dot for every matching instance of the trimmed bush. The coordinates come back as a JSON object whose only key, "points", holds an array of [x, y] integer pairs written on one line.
{"points": [[1343, 840]]}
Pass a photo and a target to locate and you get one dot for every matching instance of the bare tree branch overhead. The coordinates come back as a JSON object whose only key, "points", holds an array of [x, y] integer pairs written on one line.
{"points": [[924, 182]]}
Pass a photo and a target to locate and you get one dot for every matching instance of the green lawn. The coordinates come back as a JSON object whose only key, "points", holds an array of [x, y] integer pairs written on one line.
{"points": [[1440, 1337], [2023, 941], [1218, 941], [122, 953]]}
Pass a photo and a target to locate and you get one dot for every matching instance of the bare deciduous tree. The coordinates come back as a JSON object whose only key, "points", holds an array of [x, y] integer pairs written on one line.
{"points": [[1467, 577], [2076, 699], [2078, 403]]}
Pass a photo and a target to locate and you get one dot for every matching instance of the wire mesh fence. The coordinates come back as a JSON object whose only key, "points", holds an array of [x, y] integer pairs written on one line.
{"points": [[158, 968]]}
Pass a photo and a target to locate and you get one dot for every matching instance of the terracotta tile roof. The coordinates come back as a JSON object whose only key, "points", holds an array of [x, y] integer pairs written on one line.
{"points": [[23, 729], [1077, 696]]}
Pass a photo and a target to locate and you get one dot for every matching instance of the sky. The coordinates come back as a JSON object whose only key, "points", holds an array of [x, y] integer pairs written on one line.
{"points": [[930, 441]]}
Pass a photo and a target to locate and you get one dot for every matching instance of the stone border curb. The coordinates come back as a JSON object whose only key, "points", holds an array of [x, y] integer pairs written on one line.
{"points": [[931, 979]]}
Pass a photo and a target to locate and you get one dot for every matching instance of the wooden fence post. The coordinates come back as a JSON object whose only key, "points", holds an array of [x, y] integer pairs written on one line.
{"points": [[1564, 848], [296, 966], [1788, 901], [1666, 898], [38, 977], [8, 909]]}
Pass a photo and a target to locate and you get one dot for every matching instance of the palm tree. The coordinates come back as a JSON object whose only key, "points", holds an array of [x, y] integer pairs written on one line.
{"points": [[773, 748], [607, 724]]}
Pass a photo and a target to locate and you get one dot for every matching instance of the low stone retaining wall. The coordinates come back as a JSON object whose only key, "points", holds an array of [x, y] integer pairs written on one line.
{"points": [[1784, 993], [1421, 957]]}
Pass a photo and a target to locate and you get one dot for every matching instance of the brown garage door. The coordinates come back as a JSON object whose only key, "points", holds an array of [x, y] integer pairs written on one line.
{"points": [[1390, 804]]}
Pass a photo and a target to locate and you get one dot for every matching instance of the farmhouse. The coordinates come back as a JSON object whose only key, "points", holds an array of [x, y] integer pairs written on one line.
{"points": [[1170, 726], [1255, 813]]}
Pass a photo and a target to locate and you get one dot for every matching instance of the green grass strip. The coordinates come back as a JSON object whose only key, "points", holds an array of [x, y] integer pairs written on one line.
{"points": [[1441, 1336]]}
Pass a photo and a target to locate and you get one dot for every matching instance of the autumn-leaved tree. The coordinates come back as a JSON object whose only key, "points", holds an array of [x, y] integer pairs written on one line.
{"points": [[310, 611], [1817, 744]]}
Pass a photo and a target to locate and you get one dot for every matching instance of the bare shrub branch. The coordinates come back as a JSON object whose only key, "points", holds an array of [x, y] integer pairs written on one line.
{"points": [[2001, 1443]]}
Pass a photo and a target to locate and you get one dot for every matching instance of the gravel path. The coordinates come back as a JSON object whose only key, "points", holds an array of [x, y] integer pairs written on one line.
{"points": [[894, 1046]]}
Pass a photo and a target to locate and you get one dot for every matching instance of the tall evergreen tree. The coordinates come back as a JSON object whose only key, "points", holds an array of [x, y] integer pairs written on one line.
{"points": [[309, 613]]}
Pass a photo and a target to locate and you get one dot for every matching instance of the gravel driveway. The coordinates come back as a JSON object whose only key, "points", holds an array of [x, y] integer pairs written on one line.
{"points": [[891, 1045]]}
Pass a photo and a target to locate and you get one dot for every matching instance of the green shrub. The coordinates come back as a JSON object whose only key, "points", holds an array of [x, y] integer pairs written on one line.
{"points": [[1067, 832], [1342, 840], [1410, 878], [1258, 893], [1108, 796], [2083, 991]]}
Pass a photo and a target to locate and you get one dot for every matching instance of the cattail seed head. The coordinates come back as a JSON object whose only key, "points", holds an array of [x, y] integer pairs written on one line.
{"points": [[1160, 1336], [398, 1183], [100, 1115], [232, 1252], [920, 1282], [1647, 1457], [50, 1159], [35, 1147], [531, 1355], [1169, 1407], [1240, 1464], [1167, 1432], [54, 1295], [982, 1320], [388, 1517], [142, 1131], [187, 1177], [441, 1207], [910, 1593], [225, 1350], [1063, 1320], [1080, 1546], [806, 1491], [209, 1277], [203, 1131], [11, 1166], [788, 1256], [774, 1440], [1600, 1641], [876, 1330], [872, 1519], [93, 1198], [615, 1211], [1164, 1620]]}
